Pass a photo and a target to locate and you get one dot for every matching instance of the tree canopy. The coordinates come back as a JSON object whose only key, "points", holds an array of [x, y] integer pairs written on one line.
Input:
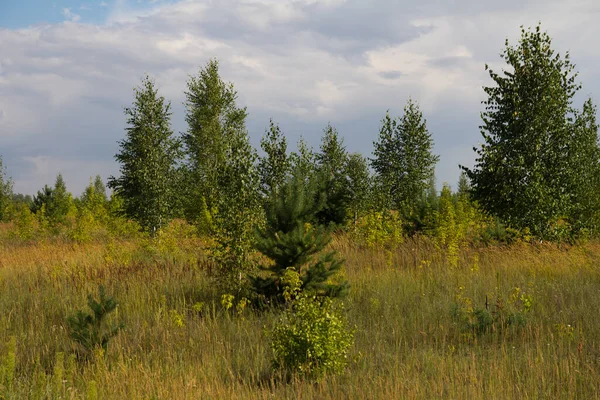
{"points": [[528, 169], [147, 156]]}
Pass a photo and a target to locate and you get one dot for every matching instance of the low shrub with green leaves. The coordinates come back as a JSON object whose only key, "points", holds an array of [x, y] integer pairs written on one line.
{"points": [[312, 337], [379, 229], [511, 311]]}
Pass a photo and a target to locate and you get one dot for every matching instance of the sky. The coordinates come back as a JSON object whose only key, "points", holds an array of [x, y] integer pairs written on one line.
{"points": [[68, 68]]}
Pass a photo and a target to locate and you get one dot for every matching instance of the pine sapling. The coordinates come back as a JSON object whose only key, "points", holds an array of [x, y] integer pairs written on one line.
{"points": [[88, 330]]}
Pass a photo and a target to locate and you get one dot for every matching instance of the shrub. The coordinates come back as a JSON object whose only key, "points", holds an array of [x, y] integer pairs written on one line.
{"points": [[377, 229], [25, 223], [312, 337], [505, 313]]}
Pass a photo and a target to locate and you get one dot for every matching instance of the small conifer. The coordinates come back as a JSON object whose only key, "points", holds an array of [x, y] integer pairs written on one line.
{"points": [[88, 329], [290, 241]]}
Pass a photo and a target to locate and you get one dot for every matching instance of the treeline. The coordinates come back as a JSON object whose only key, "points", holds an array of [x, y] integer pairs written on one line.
{"points": [[537, 172]]}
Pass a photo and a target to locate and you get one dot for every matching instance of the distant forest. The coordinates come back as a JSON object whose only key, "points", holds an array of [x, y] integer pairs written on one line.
{"points": [[536, 175]]}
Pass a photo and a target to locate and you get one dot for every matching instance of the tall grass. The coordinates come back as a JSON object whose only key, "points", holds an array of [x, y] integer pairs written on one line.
{"points": [[180, 343]]}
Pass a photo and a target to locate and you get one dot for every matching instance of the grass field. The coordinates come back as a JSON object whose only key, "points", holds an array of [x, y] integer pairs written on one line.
{"points": [[406, 304]]}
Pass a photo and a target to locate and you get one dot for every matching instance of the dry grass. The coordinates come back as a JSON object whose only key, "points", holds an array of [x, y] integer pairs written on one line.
{"points": [[407, 343]]}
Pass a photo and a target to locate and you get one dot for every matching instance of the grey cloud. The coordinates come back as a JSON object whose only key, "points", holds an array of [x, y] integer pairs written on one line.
{"points": [[391, 74], [448, 62], [63, 87]]}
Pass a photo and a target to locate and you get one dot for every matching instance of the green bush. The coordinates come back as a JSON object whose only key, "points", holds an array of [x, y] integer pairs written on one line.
{"points": [[25, 223], [504, 313], [312, 338], [377, 229]]}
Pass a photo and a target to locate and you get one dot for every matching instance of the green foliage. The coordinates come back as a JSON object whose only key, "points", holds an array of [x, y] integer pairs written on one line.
{"points": [[537, 149], [359, 185], [331, 168], [379, 229], [85, 225], [584, 214], [169, 244], [214, 122], [54, 204], [422, 218], [205, 219], [238, 212], [303, 160], [25, 222], [449, 231], [386, 162], [221, 179], [92, 391], [118, 224], [20, 198], [147, 156], [274, 167], [289, 241], [511, 311], [92, 212], [456, 223], [41, 199], [312, 338], [464, 186], [5, 191], [94, 196], [60, 203], [89, 330], [404, 162]]}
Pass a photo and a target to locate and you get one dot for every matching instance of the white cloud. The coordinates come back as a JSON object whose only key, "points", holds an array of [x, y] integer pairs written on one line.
{"points": [[71, 15], [303, 62]]}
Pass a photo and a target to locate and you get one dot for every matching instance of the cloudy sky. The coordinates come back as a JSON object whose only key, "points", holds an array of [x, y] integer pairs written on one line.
{"points": [[67, 69]]}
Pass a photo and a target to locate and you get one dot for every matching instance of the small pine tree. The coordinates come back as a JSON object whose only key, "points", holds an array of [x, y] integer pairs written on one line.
{"points": [[56, 202], [88, 330], [290, 241], [40, 199]]}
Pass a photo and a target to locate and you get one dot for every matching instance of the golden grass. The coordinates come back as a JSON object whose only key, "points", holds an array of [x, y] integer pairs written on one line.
{"points": [[407, 343]]}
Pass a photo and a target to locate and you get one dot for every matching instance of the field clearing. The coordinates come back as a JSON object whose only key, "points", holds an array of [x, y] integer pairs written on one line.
{"points": [[408, 343]]}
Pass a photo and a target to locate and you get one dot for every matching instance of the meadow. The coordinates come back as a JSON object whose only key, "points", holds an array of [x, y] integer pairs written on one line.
{"points": [[418, 331]]}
